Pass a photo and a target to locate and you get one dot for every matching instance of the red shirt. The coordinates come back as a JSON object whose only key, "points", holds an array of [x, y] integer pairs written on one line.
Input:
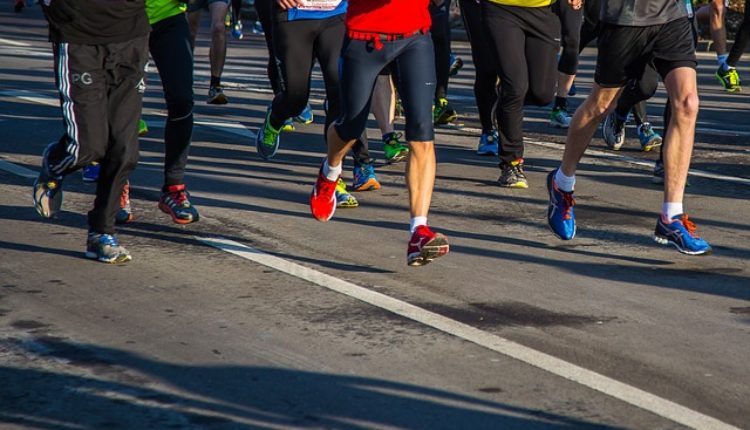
{"points": [[388, 16]]}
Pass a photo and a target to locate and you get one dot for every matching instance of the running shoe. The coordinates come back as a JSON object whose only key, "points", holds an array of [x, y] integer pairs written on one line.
{"points": [[267, 138], [142, 127], [573, 90], [399, 110], [560, 215], [512, 175], [288, 125], [456, 64], [91, 172], [323, 197], [175, 202], [343, 198], [488, 144], [237, 30], [425, 245], [106, 248], [658, 177], [729, 79], [125, 213], [680, 232], [306, 116], [649, 138], [216, 96], [48, 193], [393, 150], [613, 131], [364, 178], [443, 113], [559, 118]]}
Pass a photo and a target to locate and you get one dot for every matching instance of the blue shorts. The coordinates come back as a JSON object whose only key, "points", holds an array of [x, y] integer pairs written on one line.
{"points": [[413, 61]]}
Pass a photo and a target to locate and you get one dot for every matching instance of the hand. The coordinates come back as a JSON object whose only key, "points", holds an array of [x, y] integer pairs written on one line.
{"points": [[288, 4], [575, 4]]}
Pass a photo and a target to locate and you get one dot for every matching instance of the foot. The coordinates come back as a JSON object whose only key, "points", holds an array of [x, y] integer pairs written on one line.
{"points": [[125, 213], [512, 175], [456, 64], [91, 172], [306, 116], [323, 197], [729, 79], [649, 138], [560, 215], [443, 113], [393, 150], [267, 139], [48, 194], [680, 232], [559, 118], [425, 245], [364, 178], [288, 125], [106, 248], [216, 96], [175, 201], [142, 127], [488, 144], [613, 131], [237, 30], [573, 90], [343, 198]]}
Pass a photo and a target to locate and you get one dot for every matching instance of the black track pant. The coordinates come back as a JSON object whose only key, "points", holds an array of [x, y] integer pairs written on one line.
{"points": [[263, 9], [741, 38], [171, 47], [485, 78], [570, 36], [441, 40], [524, 46], [101, 104]]}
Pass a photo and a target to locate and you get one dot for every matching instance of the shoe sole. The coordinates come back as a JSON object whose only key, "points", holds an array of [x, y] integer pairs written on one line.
{"points": [[556, 124], [664, 241], [397, 159], [650, 146], [221, 99], [517, 185], [433, 249], [116, 260], [370, 185], [166, 209]]}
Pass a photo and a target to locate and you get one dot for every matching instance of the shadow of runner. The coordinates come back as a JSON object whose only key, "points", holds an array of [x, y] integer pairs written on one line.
{"points": [[234, 397]]}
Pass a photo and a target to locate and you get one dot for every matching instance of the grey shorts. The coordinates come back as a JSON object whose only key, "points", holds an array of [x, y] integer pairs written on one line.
{"points": [[197, 5]]}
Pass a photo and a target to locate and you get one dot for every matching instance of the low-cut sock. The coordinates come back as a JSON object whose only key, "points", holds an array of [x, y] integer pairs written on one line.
{"points": [[565, 183], [332, 173], [416, 222], [670, 210]]}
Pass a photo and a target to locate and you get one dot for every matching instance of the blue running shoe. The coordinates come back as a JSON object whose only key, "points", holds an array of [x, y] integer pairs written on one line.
{"points": [[106, 248], [680, 232], [237, 30], [649, 138], [306, 116], [91, 172], [560, 215], [364, 178], [573, 90], [488, 144]]}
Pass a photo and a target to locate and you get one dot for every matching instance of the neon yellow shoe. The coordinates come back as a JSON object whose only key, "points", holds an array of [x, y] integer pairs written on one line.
{"points": [[343, 198], [142, 127]]}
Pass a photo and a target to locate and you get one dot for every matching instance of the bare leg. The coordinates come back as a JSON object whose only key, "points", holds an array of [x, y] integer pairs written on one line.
{"points": [[584, 124], [718, 29], [218, 51], [564, 83], [337, 148], [678, 142], [194, 19], [384, 103], [420, 177]]}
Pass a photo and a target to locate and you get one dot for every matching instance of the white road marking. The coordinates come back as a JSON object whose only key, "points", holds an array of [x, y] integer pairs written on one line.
{"points": [[227, 127], [611, 387], [17, 170], [32, 97], [4, 41]]}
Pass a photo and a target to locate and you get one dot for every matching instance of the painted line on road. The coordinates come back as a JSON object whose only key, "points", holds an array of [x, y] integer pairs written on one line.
{"points": [[4, 41], [606, 385], [17, 170], [32, 97], [617, 157]]}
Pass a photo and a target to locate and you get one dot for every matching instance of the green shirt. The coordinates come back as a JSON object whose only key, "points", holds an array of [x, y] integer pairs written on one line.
{"points": [[158, 10]]}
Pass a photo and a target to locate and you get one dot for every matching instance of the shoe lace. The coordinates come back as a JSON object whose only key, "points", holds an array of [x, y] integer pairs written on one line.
{"points": [[180, 197], [568, 201], [689, 225]]}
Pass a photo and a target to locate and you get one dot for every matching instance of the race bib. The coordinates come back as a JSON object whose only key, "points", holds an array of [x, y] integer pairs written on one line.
{"points": [[319, 5]]}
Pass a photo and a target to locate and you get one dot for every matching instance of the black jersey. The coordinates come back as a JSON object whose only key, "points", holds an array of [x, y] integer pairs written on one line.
{"points": [[94, 22], [642, 13]]}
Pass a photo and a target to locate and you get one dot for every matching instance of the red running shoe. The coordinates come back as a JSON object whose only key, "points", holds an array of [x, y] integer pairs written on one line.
{"points": [[425, 245], [323, 198]]}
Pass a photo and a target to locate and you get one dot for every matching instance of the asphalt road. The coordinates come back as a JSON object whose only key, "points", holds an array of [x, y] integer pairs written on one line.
{"points": [[323, 325]]}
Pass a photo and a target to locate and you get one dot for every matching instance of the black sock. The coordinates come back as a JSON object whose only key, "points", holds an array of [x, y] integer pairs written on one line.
{"points": [[215, 81], [561, 102]]}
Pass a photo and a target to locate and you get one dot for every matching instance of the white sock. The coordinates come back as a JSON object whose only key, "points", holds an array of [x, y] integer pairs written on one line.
{"points": [[331, 173], [670, 210], [565, 183], [722, 61], [416, 222]]}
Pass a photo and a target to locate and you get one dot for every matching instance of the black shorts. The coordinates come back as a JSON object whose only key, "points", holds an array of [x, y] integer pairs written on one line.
{"points": [[624, 52]]}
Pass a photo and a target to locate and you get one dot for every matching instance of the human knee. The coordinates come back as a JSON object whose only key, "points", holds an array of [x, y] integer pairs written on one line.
{"points": [[539, 97], [686, 106], [179, 108]]}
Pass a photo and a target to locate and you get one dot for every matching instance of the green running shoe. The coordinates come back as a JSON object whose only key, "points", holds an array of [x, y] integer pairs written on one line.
{"points": [[142, 127], [267, 138], [443, 113], [729, 79], [393, 150]]}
